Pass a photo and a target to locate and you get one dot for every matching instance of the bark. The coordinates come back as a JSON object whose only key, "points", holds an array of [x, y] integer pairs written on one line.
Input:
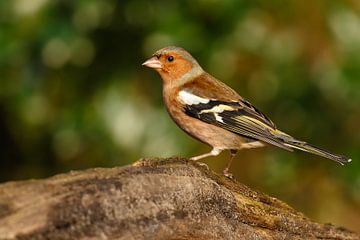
{"points": [[152, 199]]}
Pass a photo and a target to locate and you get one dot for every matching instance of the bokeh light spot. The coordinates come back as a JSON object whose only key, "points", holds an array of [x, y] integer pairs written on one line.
{"points": [[56, 53]]}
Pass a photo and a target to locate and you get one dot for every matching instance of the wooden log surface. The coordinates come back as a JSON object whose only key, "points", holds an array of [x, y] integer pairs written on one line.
{"points": [[152, 199]]}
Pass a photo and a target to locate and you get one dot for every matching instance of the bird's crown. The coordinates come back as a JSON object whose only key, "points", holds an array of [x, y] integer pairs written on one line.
{"points": [[173, 49]]}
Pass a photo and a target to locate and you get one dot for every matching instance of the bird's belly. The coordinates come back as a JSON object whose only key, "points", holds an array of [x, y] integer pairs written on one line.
{"points": [[207, 133]]}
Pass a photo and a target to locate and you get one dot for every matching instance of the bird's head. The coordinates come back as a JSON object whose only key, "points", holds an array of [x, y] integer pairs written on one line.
{"points": [[174, 64]]}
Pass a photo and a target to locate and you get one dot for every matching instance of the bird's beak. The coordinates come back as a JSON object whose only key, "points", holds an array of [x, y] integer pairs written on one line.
{"points": [[153, 63]]}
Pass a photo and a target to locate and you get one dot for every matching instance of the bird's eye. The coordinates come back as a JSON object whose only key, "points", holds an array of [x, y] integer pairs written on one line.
{"points": [[170, 58]]}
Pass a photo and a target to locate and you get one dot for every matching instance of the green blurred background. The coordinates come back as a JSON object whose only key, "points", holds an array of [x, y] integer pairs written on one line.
{"points": [[73, 93]]}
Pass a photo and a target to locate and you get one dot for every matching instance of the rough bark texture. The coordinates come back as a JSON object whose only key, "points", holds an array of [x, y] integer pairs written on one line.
{"points": [[151, 199]]}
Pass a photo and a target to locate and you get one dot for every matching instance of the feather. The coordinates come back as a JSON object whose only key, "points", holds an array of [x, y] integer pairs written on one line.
{"points": [[244, 119], [239, 117]]}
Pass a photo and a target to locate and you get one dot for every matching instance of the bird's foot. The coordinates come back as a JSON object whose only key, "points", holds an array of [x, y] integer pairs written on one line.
{"points": [[201, 164], [227, 174], [204, 165]]}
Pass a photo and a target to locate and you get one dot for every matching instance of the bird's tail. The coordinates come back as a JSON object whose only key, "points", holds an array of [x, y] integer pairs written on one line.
{"points": [[303, 146]]}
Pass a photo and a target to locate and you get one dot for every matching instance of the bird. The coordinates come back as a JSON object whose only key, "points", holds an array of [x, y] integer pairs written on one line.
{"points": [[215, 114]]}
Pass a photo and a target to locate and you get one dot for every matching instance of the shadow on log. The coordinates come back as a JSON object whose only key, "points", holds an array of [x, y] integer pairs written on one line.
{"points": [[151, 199]]}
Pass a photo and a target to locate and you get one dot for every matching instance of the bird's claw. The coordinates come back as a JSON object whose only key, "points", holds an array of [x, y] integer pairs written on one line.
{"points": [[203, 165], [227, 174]]}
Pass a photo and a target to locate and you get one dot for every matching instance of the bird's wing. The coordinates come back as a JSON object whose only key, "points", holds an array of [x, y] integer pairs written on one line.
{"points": [[239, 117]]}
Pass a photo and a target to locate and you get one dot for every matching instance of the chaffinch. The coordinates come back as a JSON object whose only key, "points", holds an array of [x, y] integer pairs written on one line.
{"points": [[215, 114]]}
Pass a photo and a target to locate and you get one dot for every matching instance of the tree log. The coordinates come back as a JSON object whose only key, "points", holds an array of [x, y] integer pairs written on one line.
{"points": [[152, 199]]}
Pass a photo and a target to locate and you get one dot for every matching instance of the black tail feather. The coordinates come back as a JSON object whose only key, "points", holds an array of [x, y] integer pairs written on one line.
{"points": [[303, 146]]}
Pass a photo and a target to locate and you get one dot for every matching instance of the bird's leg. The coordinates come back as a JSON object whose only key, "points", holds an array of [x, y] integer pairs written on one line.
{"points": [[233, 153], [214, 152]]}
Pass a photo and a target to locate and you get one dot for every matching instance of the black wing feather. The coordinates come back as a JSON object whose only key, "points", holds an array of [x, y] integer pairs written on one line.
{"points": [[239, 117]]}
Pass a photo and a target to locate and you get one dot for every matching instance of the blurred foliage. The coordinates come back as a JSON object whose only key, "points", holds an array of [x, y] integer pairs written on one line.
{"points": [[73, 93]]}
